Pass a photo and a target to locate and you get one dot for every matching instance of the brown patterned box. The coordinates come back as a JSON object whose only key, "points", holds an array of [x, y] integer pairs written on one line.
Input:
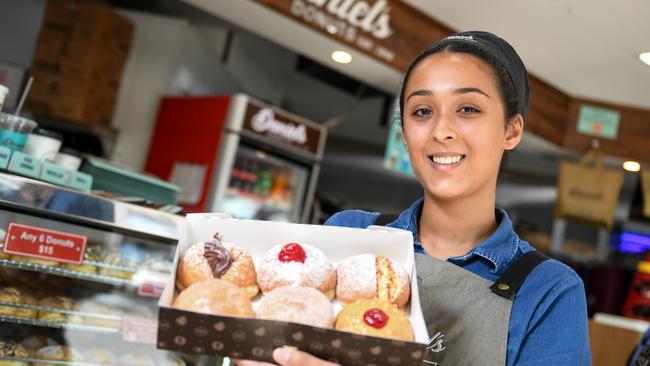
{"points": [[245, 338]]}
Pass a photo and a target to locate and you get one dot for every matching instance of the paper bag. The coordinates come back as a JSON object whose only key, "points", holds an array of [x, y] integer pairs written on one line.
{"points": [[588, 193], [645, 187]]}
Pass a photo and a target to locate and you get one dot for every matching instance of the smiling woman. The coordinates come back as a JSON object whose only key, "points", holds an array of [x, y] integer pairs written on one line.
{"points": [[488, 297]]}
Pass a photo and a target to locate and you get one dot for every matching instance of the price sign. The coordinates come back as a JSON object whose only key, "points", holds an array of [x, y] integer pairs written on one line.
{"points": [[140, 330], [150, 283], [45, 244]]}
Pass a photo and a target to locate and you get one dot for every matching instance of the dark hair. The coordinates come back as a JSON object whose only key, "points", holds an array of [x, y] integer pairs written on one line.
{"points": [[504, 82]]}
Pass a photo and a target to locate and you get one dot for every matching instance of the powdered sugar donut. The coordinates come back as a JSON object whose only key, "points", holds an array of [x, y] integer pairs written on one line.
{"points": [[298, 265], [370, 276], [304, 305]]}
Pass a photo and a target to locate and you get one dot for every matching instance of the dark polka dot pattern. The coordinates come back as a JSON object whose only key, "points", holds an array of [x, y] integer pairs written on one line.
{"points": [[255, 339]]}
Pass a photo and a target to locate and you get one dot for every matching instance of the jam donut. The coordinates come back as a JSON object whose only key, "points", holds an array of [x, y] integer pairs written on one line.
{"points": [[377, 318], [296, 265], [368, 276], [216, 259], [304, 305]]}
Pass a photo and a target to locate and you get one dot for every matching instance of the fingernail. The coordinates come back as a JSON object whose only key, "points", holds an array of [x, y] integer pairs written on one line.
{"points": [[281, 355]]}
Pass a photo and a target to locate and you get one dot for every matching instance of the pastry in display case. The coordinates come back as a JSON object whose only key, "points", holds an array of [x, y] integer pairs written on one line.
{"points": [[80, 276]]}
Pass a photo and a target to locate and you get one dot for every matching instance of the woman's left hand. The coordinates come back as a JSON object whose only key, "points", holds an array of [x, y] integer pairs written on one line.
{"points": [[289, 357]]}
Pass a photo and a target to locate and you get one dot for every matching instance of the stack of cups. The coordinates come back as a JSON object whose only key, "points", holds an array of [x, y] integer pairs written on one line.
{"points": [[3, 94], [43, 144], [14, 130]]}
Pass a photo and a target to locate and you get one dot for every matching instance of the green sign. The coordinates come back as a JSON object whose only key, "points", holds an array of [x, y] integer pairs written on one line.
{"points": [[25, 165], [54, 174], [81, 181], [397, 157], [598, 122], [5, 154]]}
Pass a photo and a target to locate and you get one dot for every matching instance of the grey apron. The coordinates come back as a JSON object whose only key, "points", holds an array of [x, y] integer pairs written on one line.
{"points": [[468, 316]]}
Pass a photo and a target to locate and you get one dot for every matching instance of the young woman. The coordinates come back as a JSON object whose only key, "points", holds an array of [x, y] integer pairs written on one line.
{"points": [[487, 296]]}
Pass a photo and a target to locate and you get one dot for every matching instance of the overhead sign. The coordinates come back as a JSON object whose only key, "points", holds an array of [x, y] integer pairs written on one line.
{"points": [[388, 30], [272, 124], [598, 122]]}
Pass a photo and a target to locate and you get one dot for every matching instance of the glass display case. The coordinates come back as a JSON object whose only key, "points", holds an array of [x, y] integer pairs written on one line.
{"points": [[80, 276]]}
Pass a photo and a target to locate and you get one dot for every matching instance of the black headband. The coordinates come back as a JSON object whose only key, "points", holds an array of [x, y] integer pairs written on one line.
{"points": [[503, 52]]}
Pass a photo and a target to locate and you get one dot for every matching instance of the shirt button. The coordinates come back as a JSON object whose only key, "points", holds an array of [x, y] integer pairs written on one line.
{"points": [[503, 287]]}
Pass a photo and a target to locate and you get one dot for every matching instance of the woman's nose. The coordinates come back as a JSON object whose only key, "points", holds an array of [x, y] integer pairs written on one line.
{"points": [[443, 128]]}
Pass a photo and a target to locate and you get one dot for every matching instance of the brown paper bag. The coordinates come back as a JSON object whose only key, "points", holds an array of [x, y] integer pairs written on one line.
{"points": [[588, 193], [645, 185]]}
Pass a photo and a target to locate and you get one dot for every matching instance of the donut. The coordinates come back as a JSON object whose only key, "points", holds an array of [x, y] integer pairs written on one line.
{"points": [[13, 295], [216, 259], [304, 305], [9, 348], [298, 265], [370, 276], [55, 302], [217, 297], [375, 317], [91, 254]]}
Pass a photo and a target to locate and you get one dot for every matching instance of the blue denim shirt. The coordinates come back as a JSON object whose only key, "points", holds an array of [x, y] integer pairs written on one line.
{"points": [[548, 323]]}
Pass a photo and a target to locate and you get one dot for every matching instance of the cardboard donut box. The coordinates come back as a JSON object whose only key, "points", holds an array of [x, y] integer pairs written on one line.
{"points": [[255, 339]]}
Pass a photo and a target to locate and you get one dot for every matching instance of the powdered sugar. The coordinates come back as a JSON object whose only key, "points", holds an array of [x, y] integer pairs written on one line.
{"points": [[317, 271], [356, 278]]}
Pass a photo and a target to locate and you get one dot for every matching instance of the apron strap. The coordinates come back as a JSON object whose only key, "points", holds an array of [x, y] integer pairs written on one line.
{"points": [[511, 280], [385, 219]]}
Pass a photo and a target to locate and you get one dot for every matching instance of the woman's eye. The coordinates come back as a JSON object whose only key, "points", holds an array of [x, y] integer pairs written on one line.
{"points": [[468, 109], [422, 112]]}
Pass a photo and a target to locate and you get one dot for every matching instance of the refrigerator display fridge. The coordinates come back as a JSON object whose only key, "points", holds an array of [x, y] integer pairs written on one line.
{"points": [[237, 155]]}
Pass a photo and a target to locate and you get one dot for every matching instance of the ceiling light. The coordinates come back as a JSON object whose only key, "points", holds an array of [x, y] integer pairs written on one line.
{"points": [[342, 57], [645, 58], [631, 166]]}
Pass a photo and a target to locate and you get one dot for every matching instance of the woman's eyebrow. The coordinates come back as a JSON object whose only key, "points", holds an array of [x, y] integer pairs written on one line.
{"points": [[420, 92], [470, 90]]}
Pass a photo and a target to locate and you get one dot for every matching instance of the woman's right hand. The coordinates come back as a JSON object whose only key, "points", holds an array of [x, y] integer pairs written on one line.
{"points": [[288, 356]]}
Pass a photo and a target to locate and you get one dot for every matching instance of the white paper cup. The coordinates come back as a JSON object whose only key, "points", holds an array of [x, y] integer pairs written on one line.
{"points": [[43, 145], [67, 161], [3, 94]]}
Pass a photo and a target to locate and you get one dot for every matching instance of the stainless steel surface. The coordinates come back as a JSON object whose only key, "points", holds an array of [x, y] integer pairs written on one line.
{"points": [[42, 323], [68, 273], [33, 195], [36, 361], [60, 311]]}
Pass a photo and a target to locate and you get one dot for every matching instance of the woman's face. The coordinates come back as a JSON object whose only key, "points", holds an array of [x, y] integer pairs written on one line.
{"points": [[455, 125]]}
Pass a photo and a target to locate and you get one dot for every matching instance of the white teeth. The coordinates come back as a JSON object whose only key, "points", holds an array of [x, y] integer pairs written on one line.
{"points": [[446, 159]]}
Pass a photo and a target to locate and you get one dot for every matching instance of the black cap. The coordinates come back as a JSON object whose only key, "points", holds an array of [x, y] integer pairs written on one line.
{"points": [[505, 55]]}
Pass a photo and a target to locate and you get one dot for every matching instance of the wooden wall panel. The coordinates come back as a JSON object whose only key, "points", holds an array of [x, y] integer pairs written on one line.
{"points": [[547, 111]]}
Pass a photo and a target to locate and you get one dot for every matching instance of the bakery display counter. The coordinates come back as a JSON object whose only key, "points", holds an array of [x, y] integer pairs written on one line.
{"points": [[55, 325], [20, 361], [58, 271], [80, 276]]}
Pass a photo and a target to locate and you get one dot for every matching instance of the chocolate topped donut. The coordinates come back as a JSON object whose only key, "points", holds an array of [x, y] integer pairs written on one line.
{"points": [[217, 256], [215, 259]]}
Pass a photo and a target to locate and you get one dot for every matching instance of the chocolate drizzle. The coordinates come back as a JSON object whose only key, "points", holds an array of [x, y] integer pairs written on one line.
{"points": [[217, 256]]}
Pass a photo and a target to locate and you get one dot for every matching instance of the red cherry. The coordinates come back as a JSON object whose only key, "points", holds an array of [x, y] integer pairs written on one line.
{"points": [[375, 318], [292, 252]]}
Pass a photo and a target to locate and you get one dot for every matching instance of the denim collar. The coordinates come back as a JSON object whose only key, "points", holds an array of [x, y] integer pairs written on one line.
{"points": [[499, 248]]}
